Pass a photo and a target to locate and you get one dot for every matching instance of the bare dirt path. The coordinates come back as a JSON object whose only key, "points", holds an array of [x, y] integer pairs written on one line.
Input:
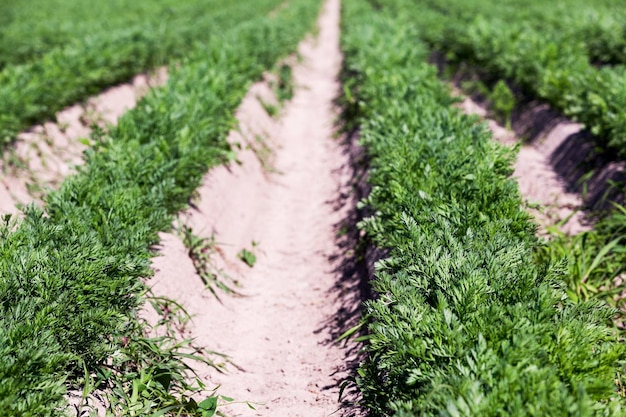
{"points": [[290, 203]]}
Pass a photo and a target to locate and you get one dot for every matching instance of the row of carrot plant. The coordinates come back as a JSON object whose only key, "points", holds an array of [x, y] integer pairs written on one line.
{"points": [[466, 320], [71, 272], [539, 59], [29, 29], [507, 45], [597, 27], [82, 64]]}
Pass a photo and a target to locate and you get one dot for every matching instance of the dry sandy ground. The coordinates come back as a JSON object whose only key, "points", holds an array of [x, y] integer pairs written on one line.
{"points": [[538, 182], [43, 156], [280, 331]]}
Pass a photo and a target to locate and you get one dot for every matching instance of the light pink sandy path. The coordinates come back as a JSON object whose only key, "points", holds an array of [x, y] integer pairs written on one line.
{"points": [[277, 333]]}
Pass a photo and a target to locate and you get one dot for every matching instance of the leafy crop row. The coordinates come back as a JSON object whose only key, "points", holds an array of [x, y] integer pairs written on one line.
{"points": [[598, 27], [545, 61], [29, 29], [465, 322], [36, 90], [70, 273], [547, 49]]}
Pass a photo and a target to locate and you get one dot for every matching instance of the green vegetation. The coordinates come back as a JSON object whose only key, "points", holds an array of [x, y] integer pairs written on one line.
{"points": [[201, 252], [281, 83], [596, 260], [283, 87], [466, 321], [70, 273], [503, 102], [31, 28], [93, 56], [597, 26], [549, 52], [557, 52], [247, 257]]}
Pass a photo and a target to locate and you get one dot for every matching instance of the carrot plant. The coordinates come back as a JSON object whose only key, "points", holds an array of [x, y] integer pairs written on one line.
{"points": [[29, 29], [465, 321], [598, 26]]}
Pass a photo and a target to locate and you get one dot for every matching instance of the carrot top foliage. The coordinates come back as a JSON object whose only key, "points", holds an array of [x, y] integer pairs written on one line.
{"points": [[465, 322]]}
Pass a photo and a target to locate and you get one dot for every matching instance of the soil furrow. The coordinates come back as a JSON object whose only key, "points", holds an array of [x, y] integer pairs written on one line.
{"points": [[546, 194], [44, 155], [283, 208]]}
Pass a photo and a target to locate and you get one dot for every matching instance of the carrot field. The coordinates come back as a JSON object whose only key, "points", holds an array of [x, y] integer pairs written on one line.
{"points": [[304, 216]]}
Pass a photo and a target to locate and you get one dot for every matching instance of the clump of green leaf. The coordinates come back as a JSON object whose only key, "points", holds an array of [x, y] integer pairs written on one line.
{"points": [[150, 372], [595, 260], [271, 109], [201, 252], [248, 257], [502, 102], [281, 83], [284, 87]]}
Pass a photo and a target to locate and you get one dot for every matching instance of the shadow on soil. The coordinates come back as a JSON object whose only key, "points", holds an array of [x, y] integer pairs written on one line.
{"points": [[573, 154], [353, 266]]}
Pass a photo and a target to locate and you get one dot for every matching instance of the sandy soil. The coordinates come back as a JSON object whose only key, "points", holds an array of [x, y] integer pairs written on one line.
{"points": [[572, 154], [43, 156], [545, 192], [289, 195]]}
